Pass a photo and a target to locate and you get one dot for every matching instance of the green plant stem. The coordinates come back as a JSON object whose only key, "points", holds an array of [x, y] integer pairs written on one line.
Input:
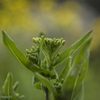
{"points": [[47, 94]]}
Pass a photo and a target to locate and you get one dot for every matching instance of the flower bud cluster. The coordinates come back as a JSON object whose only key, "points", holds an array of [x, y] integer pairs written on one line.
{"points": [[49, 44], [58, 85], [32, 54]]}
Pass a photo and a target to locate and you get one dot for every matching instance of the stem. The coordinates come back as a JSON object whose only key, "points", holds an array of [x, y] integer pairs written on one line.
{"points": [[47, 94], [57, 50]]}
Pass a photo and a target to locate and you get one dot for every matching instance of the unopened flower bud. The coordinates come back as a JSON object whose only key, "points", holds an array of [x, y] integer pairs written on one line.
{"points": [[27, 51], [63, 42]]}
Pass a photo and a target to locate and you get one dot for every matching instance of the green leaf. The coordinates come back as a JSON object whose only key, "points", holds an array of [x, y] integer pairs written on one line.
{"points": [[69, 84], [73, 81], [63, 55], [36, 83], [15, 87], [80, 94], [67, 66], [81, 76], [7, 88], [47, 83], [83, 56], [21, 97], [84, 52], [20, 57]]}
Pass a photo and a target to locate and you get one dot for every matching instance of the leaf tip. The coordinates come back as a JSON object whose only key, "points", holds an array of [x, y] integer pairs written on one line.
{"points": [[90, 31], [9, 75], [3, 32]]}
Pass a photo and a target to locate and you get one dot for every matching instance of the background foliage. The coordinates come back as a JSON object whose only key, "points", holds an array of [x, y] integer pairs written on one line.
{"points": [[25, 19]]}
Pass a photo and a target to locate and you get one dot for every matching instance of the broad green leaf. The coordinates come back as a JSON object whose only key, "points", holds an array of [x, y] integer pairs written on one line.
{"points": [[47, 83], [7, 88], [84, 52], [63, 55], [83, 56], [80, 95], [69, 84], [73, 81], [67, 66], [20, 57], [81, 77]]}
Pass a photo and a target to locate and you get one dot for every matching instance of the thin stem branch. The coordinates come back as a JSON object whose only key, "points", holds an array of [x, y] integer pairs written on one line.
{"points": [[47, 94]]}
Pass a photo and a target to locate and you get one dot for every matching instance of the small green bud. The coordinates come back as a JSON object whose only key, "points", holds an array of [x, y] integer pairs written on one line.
{"points": [[62, 81], [42, 36], [50, 40], [54, 39], [59, 87], [34, 40], [55, 43], [63, 42], [33, 48], [27, 55], [27, 51], [33, 57], [34, 54], [57, 80], [58, 43], [61, 39], [35, 51]]}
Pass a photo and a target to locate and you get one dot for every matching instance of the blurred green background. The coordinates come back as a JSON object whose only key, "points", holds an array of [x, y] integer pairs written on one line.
{"points": [[25, 19]]}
